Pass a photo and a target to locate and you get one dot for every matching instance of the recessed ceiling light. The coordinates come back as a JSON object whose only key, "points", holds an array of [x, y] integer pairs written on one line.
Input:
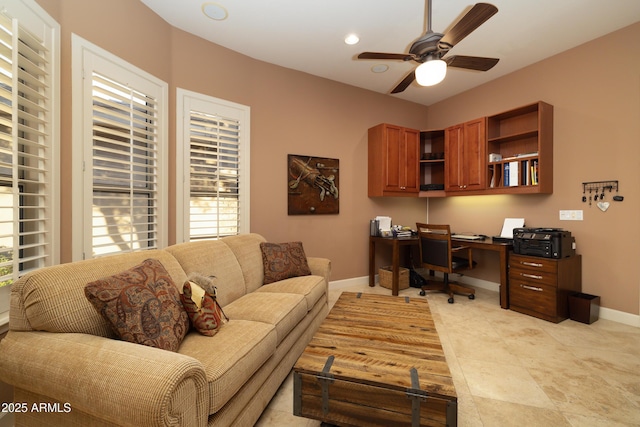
{"points": [[214, 11], [380, 68], [351, 39]]}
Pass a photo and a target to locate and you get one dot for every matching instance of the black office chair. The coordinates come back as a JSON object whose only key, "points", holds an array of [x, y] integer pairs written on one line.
{"points": [[438, 254]]}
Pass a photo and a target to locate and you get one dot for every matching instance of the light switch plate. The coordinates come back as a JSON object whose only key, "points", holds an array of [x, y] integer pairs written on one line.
{"points": [[571, 215]]}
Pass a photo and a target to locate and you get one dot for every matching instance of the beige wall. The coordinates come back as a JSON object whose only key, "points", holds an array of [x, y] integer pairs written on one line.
{"points": [[596, 99], [291, 113]]}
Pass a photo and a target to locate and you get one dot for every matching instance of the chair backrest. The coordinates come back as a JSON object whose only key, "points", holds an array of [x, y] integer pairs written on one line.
{"points": [[435, 246]]}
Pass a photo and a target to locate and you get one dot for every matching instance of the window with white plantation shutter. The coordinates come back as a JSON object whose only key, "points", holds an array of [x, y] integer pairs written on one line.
{"points": [[215, 137], [28, 145], [124, 155], [125, 168]]}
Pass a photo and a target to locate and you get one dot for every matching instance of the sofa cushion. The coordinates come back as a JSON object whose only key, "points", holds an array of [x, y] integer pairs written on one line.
{"points": [[230, 358], [282, 310], [246, 248], [142, 305], [311, 287], [212, 258], [283, 260]]}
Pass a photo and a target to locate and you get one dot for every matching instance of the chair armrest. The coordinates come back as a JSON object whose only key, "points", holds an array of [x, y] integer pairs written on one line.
{"points": [[120, 382], [320, 267]]}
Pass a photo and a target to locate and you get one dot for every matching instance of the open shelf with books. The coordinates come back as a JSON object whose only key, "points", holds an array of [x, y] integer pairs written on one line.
{"points": [[520, 150]]}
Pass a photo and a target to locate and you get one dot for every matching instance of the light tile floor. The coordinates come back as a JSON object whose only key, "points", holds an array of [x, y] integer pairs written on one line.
{"points": [[511, 369]]}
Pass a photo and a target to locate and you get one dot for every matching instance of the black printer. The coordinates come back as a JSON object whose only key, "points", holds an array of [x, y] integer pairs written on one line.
{"points": [[543, 242]]}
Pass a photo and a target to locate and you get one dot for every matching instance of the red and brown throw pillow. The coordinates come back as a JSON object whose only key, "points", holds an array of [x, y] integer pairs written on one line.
{"points": [[205, 313], [283, 260], [142, 305]]}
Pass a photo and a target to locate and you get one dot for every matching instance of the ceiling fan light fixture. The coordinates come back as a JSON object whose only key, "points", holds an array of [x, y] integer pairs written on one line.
{"points": [[431, 72], [351, 39]]}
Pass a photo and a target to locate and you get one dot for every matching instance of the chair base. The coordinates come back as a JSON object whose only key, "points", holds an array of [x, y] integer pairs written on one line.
{"points": [[448, 288]]}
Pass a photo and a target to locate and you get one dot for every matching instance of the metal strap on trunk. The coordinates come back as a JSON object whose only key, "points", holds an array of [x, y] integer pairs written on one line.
{"points": [[325, 378], [418, 395]]}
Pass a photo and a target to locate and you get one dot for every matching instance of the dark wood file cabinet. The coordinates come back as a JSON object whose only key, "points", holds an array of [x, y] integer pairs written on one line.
{"points": [[540, 286]]}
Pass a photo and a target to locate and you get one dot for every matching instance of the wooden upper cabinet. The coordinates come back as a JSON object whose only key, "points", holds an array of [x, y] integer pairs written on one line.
{"points": [[465, 156], [393, 161]]}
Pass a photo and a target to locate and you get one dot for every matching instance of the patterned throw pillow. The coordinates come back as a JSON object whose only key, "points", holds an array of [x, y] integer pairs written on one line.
{"points": [[205, 313], [142, 305], [283, 260]]}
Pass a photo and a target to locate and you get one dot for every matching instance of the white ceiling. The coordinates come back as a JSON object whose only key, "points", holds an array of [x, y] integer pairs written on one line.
{"points": [[308, 35]]}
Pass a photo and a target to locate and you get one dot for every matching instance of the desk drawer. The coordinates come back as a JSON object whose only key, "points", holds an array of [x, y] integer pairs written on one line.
{"points": [[535, 297], [533, 263], [534, 277]]}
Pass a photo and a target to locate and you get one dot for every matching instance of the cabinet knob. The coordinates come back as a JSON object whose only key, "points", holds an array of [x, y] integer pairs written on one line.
{"points": [[403, 188]]}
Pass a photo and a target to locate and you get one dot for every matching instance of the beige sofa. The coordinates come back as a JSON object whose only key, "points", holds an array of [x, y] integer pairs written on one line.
{"points": [[61, 355]]}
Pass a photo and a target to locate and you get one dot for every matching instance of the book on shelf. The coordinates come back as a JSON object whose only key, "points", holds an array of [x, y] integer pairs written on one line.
{"points": [[513, 173], [534, 172]]}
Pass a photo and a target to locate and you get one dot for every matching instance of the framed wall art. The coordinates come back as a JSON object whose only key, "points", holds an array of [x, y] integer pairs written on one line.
{"points": [[312, 185]]}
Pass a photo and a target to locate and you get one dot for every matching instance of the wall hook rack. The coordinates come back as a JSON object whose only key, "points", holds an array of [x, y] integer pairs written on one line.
{"points": [[598, 190], [600, 186]]}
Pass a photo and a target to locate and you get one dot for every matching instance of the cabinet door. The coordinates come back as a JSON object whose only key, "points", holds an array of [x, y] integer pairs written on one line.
{"points": [[465, 156], [453, 144], [401, 149], [393, 161], [473, 173], [409, 161]]}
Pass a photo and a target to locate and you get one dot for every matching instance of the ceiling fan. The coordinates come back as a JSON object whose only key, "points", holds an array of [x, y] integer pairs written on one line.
{"points": [[430, 49]]}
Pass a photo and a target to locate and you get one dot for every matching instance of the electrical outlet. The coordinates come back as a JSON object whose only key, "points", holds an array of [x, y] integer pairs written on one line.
{"points": [[571, 215]]}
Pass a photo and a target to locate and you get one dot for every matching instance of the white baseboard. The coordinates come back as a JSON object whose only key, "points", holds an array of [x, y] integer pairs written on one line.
{"points": [[605, 313], [345, 283], [620, 317]]}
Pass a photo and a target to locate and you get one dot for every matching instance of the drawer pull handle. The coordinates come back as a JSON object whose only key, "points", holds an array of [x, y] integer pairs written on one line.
{"points": [[531, 264], [531, 276], [531, 288]]}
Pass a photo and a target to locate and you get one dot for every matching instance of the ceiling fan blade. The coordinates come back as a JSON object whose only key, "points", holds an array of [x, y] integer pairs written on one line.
{"points": [[379, 55], [405, 82], [478, 14], [471, 62]]}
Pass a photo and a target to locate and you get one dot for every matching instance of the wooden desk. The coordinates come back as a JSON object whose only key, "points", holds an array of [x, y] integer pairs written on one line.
{"points": [[395, 243], [485, 245]]}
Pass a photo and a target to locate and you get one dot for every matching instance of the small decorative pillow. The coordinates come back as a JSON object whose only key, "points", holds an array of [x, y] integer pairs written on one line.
{"points": [[283, 260], [142, 305], [205, 313]]}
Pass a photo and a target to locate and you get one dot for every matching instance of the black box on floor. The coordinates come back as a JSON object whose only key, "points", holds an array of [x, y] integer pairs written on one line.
{"points": [[584, 308]]}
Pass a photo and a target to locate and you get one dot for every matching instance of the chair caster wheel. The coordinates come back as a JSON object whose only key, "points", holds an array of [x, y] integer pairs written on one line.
{"points": [[422, 293], [472, 296], [450, 300]]}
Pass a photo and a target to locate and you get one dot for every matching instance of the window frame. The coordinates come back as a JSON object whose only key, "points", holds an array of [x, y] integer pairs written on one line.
{"points": [[87, 58], [186, 101]]}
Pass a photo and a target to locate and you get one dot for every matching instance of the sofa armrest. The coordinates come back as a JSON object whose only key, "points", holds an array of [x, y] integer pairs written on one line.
{"points": [[320, 267], [120, 382]]}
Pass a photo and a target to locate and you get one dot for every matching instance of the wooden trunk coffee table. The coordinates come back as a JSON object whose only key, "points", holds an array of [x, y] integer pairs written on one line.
{"points": [[376, 360]]}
